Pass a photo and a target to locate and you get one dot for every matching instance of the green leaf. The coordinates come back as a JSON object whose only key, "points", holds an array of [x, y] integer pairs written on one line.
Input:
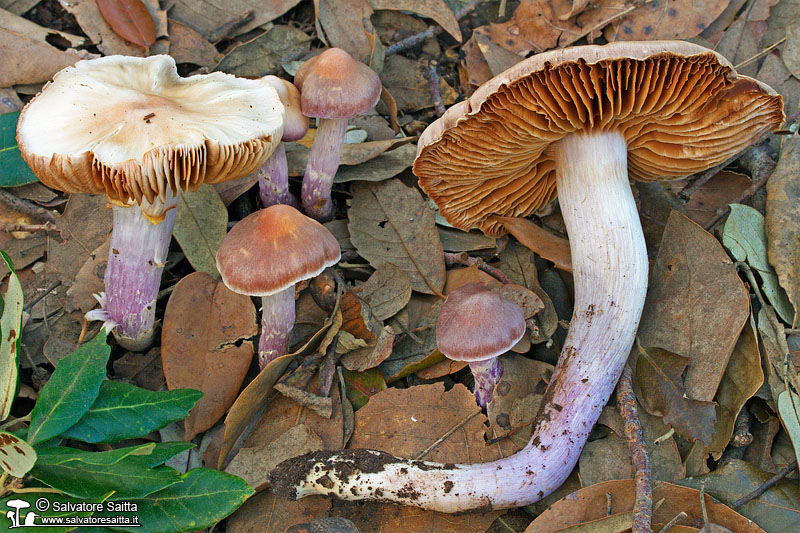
{"points": [[200, 225], [789, 407], [745, 236], [122, 411], [120, 474], [204, 498], [70, 391], [13, 169], [18, 457], [10, 327]]}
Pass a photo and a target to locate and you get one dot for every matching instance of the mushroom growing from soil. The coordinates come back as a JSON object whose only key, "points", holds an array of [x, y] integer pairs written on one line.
{"points": [[133, 129], [578, 121], [334, 87], [264, 255], [273, 176], [478, 325]]}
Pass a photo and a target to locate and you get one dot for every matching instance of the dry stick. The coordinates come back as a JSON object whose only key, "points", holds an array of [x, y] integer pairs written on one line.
{"points": [[232, 25], [705, 176], [31, 228], [626, 402], [23, 206], [678, 517], [462, 258], [417, 38], [438, 105], [785, 471], [762, 53]]}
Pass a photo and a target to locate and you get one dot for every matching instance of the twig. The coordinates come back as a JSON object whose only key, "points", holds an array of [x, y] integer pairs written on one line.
{"points": [[762, 53], [24, 206], [741, 429], [785, 471], [29, 307], [643, 505], [232, 25], [12, 423], [462, 258], [665, 437], [47, 226], [678, 517], [417, 38], [438, 105]]}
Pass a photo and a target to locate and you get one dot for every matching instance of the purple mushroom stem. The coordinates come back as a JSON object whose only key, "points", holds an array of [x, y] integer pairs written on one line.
{"points": [[136, 258], [273, 180], [323, 161], [277, 319], [486, 374]]}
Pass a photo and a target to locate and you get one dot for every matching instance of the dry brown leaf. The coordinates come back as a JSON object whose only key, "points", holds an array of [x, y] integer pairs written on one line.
{"points": [[740, 42], [188, 46], [659, 376], [130, 20], [696, 304], [497, 57], [352, 154], [477, 67], [540, 241], [264, 513], [440, 369], [773, 337], [533, 28], [206, 16], [724, 188], [591, 503], [95, 27], [386, 292], [230, 190], [345, 24], [774, 73], [791, 52], [89, 280], [202, 323], [17, 24], [521, 378], [144, 369], [432, 9], [265, 52], [389, 222], [456, 240], [783, 221], [409, 83], [17, 50], [458, 277]]}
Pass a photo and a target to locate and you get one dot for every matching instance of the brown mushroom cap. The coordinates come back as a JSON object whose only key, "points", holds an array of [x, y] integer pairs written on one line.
{"points": [[295, 123], [274, 248], [334, 85], [680, 107], [476, 324], [132, 128]]}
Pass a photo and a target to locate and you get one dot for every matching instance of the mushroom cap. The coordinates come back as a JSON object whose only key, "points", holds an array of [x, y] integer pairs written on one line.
{"points": [[295, 123], [476, 324], [132, 128], [334, 85], [680, 107], [274, 248]]}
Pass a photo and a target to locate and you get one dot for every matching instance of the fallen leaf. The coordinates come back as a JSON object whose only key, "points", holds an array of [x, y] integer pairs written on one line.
{"points": [[775, 74], [204, 345], [456, 240], [352, 154], [206, 16], [188, 46], [740, 42], [11, 327], [777, 509], [475, 64], [143, 369], [409, 83], [659, 376], [389, 222], [263, 54], [437, 10], [415, 353], [230, 190], [23, 252], [87, 14], [345, 24], [266, 513], [17, 24], [200, 226], [591, 503], [745, 238], [89, 280], [497, 58], [696, 304], [534, 27], [776, 349], [788, 408], [130, 20], [386, 292], [791, 52], [386, 165], [361, 386], [783, 221], [18, 49], [540, 241]]}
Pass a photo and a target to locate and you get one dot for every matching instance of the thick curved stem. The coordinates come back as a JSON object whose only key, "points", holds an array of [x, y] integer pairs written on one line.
{"points": [[273, 180], [136, 259], [277, 319], [323, 161], [610, 270]]}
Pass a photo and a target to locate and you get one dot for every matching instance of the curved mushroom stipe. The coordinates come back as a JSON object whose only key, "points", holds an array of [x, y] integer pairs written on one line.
{"points": [[323, 162], [610, 271]]}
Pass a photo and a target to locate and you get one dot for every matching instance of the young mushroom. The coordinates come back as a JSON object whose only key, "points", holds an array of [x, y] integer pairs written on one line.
{"points": [[264, 255], [333, 87], [478, 325], [133, 129], [273, 176], [578, 121]]}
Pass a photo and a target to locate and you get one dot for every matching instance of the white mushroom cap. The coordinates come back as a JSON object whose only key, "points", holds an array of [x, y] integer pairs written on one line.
{"points": [[132, 128]]}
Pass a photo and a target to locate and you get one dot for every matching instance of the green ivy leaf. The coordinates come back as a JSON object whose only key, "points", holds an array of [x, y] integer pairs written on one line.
{"points": [[70, 391], [13, 169], [10, 327], [122, 411]]}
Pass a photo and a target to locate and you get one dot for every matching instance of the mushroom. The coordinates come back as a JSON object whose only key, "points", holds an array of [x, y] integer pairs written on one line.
{"points": [[273, 176], [579, 120], [478, 325], [264, 255], [333, 87], [132, 129]]}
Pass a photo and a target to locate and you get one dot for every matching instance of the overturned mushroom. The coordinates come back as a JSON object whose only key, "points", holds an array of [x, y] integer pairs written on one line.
{"points": [[132, 129], [579, 121]]}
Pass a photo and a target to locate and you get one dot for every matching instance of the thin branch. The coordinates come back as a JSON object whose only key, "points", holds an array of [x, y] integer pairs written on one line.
{"points": [[462, 258], [438, 105], [785, 471], [762, 53], [24, 206], [413, 40]]}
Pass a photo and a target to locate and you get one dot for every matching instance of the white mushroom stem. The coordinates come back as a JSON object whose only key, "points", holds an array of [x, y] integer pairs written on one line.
{"points": [[136, 259], [277, 320], [610, 271]]}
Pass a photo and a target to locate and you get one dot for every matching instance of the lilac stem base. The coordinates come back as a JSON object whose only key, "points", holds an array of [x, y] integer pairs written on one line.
{"points": [[486, 373], [273, 180], [136, 259], [277, 319], [323, 161]]}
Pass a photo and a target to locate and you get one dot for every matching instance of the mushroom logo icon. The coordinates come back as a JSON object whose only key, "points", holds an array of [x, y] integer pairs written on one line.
{"points": [[16, 505]]}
